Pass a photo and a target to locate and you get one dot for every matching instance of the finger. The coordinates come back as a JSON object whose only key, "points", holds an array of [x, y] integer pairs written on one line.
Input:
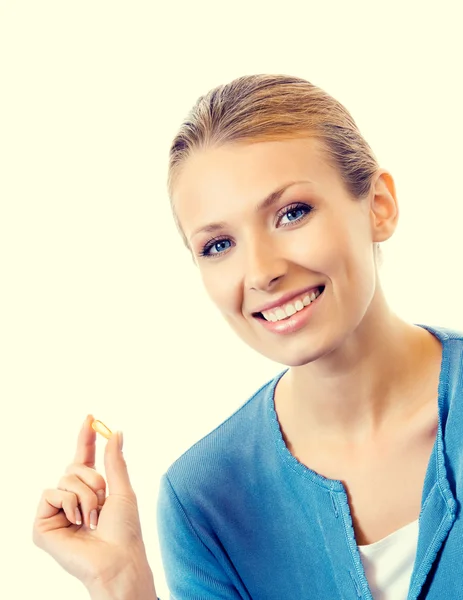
{"points": [[85, 452], [54, 501], [86, 498], [116, 467], [90, 478]]}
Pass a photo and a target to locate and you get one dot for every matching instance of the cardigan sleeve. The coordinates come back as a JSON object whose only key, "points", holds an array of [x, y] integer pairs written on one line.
{"points": [[191, 570]]}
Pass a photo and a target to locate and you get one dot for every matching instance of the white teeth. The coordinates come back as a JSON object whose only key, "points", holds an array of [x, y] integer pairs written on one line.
{"points": [[280, 314], [290, 309]]}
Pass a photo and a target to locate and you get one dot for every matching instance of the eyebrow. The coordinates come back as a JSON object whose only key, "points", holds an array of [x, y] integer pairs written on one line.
{"points": [[264, 204]]}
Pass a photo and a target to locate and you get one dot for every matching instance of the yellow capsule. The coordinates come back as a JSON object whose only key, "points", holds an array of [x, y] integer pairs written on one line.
{"points": [[101, 428]]}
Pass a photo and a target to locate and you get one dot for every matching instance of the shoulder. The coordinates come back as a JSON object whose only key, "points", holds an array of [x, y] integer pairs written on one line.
{"points": [[451, 373], [227, 448], [443, 333], [451, 339]]}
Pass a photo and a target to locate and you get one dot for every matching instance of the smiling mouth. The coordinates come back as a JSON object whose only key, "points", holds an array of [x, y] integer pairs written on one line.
{"points": [[289, 309]]}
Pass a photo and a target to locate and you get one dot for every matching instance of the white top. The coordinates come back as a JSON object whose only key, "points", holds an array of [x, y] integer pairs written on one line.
{"points": [[388, 563]]}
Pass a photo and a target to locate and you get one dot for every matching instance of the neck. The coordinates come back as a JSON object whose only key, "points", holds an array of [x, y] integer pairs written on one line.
{"points": [[365, 385]]}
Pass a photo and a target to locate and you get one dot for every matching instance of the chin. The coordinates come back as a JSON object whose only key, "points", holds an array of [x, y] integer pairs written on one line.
{"points": [[303, 352], [294, 358], [296, 352], [297, 360]]}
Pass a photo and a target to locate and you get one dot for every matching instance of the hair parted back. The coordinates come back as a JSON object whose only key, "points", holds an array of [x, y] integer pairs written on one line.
{"points": [[258, 108]]}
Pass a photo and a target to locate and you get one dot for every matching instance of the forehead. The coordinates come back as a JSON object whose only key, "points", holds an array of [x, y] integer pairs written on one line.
{"points": [[215, 182]]}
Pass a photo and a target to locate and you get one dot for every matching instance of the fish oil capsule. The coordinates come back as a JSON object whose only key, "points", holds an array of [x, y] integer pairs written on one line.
{"points": [[101, 428]]}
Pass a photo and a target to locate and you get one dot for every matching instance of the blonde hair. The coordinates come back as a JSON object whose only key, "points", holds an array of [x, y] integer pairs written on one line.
{"points": [[257, 108]]}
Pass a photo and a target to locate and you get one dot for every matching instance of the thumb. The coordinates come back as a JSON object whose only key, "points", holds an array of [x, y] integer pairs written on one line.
{"points": [[116, 468]]}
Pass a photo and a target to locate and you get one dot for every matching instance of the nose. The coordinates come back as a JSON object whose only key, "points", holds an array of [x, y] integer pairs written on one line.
{"points": [[265, 266]]}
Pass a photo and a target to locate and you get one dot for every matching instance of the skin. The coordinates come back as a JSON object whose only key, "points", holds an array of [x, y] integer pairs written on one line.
{"points": [[359, 402]]}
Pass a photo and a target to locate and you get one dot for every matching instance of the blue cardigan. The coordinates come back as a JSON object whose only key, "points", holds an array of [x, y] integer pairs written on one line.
{"points": [[239, 517]]}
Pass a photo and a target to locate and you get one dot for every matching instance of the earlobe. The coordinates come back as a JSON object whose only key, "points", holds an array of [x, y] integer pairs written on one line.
{"points": [[384, 209]]}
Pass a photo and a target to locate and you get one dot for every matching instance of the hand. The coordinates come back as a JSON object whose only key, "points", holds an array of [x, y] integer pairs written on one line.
{"points": [[96, 538]]}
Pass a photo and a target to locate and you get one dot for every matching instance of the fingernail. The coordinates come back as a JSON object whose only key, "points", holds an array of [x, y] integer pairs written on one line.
{"points": [[78, 516], [93, 519], [101, 495], [120, 439]]}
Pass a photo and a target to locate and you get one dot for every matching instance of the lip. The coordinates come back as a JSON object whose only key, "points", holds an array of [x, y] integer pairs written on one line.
{"points": [[296, 322], [286, 298]]}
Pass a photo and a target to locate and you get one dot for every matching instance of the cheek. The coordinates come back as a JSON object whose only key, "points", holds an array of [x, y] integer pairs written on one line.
{"points": [[355, 268], [339, 246], [222, 288], [315, 250]]}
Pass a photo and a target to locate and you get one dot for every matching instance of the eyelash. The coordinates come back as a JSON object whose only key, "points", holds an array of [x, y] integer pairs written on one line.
{"points": [[285, 211]]}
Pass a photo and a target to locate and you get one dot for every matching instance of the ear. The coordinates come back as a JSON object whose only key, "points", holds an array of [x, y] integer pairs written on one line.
{"points": [[384, 210]]}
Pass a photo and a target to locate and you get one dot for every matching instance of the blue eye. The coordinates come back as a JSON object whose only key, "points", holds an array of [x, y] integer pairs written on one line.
{"points": [[294, 213], [219, 245]]}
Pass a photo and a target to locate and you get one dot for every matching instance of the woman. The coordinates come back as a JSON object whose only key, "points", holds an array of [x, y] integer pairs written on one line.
{"points": [[341, 477]]}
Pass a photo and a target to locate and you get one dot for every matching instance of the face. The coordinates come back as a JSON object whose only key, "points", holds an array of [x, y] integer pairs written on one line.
{"points": [[285, 253]]}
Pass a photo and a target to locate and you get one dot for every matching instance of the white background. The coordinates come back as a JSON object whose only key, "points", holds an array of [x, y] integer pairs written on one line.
{"points": [[101, 308]]}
